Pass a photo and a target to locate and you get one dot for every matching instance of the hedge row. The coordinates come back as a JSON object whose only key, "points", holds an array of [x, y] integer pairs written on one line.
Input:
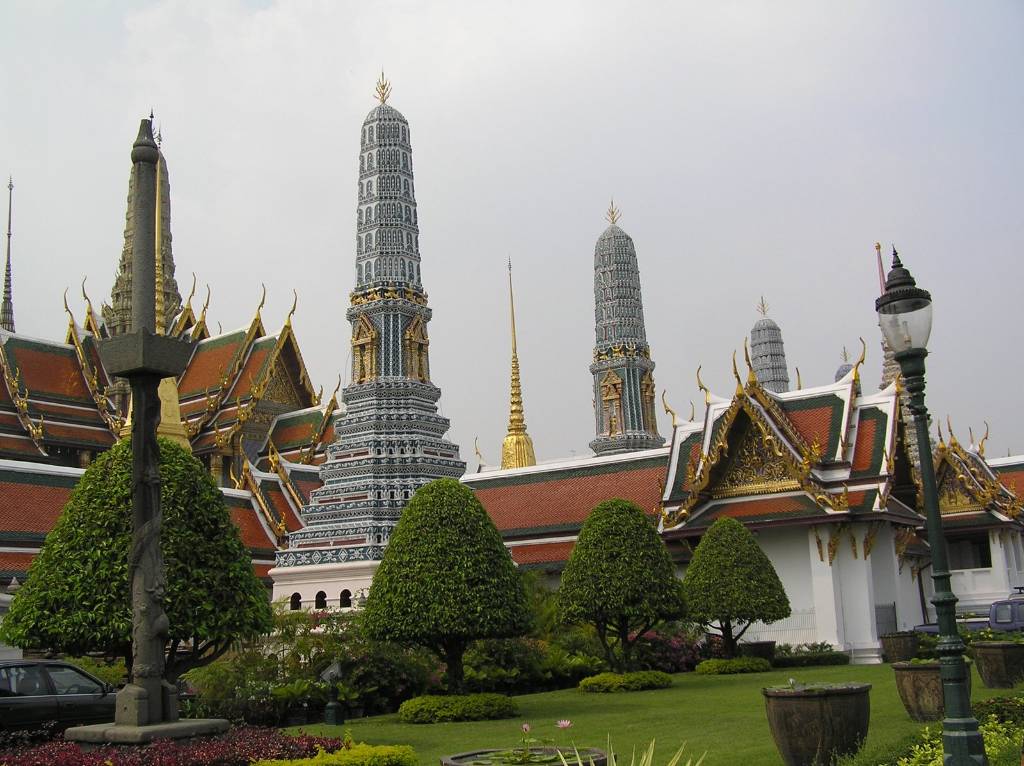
{"points": [[357, 755], [604, 683], [431, 708], [738, 665], [808, 659]]}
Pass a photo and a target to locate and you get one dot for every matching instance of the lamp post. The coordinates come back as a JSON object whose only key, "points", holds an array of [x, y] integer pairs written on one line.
{"points": [[905, 317]]}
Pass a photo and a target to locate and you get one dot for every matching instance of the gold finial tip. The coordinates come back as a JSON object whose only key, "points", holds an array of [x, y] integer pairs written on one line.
{"points": [[878, 247], [383, 91], [846, 355], [762, 307], [614, 214]]}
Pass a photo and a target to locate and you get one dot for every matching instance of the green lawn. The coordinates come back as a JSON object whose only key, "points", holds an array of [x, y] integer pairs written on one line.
{"points": [[722, 715]]}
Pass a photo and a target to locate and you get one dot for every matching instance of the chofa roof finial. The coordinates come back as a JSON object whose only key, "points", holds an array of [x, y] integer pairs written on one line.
{"points": [[614, 214], [383, 91]]}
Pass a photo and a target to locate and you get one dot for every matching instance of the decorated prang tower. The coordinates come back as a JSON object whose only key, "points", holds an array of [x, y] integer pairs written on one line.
{"points": [[622, 368], [390, 439]]}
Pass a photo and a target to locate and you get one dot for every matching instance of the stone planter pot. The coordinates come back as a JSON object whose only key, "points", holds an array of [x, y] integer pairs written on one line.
{"points": [[920, 689], [538, 755], [1000, 663], [763, 649], [900, 647], [816, 725]]}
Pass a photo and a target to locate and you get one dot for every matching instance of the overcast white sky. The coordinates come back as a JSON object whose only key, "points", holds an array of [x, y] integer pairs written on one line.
{"points": [[754, 148]]}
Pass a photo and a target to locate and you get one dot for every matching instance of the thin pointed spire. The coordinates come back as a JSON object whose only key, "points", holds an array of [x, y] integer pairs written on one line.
{"points": [[7, 307], [517, 448]]}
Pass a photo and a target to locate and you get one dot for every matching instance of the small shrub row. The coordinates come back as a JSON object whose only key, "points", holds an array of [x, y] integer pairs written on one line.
{"points": [[808, 659], [432, 708], [604, 683], [238, 747], [357, 755], [738, 665], [1004, 709]]}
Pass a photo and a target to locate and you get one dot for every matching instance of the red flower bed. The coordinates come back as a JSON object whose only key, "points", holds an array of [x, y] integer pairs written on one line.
{"points": [[239, 747]]}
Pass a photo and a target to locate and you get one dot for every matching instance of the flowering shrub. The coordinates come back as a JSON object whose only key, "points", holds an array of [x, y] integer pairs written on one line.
{"points": [[239, 747], [666, 650]]}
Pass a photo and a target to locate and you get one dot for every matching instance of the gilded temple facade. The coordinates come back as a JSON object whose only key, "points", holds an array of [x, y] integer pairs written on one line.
{"points": [[390, 437], [623, 371]]}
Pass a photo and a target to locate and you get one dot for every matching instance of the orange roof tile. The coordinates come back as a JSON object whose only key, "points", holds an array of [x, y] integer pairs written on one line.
{"points": [[275, 496], [15, 562], [1013, 480], [209, 363], [863, 450], [547, 502], [254, 536], [541, 553], [30, 507], [50, 370], [813, 425], [250, 372]]}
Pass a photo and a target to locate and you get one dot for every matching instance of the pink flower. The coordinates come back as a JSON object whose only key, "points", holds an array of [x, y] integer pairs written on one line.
{"points": [[526, 728], [565, 723]]}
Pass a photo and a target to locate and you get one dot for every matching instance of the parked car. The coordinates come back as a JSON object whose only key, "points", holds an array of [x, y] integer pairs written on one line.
{"points": [[1005, 615], [33, 692]]}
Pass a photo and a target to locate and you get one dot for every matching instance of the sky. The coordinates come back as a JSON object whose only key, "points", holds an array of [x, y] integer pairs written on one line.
{"points": [[754, 149]]}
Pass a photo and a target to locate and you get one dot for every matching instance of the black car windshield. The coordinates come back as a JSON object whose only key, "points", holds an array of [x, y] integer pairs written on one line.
{"points": [[22, 681]]}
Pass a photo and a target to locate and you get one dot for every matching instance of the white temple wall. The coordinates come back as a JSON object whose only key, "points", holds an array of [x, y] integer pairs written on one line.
{"points": [[332, 579], [856, 591], [785, 547], [893, 586]]}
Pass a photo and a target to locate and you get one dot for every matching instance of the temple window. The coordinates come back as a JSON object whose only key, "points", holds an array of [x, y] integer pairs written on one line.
{"points": [[345, 602], [321, 600], [296, 602]]}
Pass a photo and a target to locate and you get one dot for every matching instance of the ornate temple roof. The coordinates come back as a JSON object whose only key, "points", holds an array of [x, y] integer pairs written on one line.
{"points": [[540, 509], [45, 489], [812, 455]]}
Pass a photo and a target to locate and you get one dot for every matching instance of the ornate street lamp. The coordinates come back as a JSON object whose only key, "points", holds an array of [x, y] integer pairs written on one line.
{"points": [[905, 316]]}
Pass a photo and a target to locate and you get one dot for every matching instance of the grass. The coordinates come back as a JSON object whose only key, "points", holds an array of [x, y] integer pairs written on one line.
{"points": [[721, 715]]}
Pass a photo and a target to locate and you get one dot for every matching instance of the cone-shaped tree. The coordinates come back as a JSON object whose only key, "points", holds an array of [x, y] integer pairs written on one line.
{"points": [[446, 579], [620, 579], [77, 598], [732, 583]]}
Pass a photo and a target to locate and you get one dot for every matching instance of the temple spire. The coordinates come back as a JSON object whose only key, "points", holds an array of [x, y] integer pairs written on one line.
{"points": [[768, 354], [623, 371], [517, 449], [7, 307], [117, 316]]}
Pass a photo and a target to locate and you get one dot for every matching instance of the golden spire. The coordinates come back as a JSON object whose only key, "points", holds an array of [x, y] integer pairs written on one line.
{"points": [[762, 307], [383, 88], [613, 215], [517, 449]]}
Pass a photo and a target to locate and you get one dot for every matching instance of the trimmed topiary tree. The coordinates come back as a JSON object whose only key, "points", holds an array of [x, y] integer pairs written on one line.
{"points": [[446, 579], [732, 583], [620, 579], [76, 599]]}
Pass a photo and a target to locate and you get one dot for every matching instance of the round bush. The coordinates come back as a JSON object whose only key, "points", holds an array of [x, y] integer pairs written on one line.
{"points": [[738, 665], [431, 708]]}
